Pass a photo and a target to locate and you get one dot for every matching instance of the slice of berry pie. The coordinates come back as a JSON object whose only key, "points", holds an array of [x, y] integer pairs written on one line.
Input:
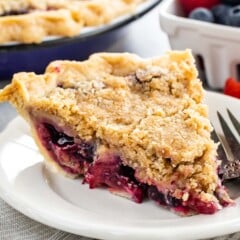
{"points": [[137, 127], [29, 21]]}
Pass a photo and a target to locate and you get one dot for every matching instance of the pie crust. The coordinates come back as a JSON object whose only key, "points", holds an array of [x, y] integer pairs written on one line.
{"points": [[137, 126], [29, 21]]}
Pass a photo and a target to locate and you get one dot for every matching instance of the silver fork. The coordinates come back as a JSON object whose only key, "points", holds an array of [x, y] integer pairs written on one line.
{"points": [[229, 147]]}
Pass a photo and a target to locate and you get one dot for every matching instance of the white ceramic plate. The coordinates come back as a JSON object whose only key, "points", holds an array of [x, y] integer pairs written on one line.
{"points": [[70, 206]]}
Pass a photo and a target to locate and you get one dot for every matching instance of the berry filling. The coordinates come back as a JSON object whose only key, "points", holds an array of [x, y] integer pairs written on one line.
{"points": [[199, 206], [73, 155], [106, 169], [163, 199], [76, 156], [184, 207]]}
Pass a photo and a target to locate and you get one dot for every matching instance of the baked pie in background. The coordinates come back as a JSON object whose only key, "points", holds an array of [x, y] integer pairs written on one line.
{"points": [[138, 127], [29, 21]]}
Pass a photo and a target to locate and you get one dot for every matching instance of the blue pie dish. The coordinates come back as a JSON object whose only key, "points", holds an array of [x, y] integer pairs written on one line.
{"points": [[16, 57]]}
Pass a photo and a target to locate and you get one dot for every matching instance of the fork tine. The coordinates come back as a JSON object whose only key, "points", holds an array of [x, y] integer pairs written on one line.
{"points": [[230, 138], [234, 121], [220, 151]]}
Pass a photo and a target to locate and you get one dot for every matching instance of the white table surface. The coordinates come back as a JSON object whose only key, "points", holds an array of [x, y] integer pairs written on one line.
{"points": [[143, 37]]}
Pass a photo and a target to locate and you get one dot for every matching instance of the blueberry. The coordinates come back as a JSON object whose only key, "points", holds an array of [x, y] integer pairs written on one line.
{"points": [[155, 195], [220, 13], [172, 201], [230, 2], [86, 150], [202, 14], [65, 140], [234, 16], [127, 172], [163, 199], [59, 138]]}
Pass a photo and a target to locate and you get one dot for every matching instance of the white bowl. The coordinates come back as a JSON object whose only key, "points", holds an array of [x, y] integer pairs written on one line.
{"points": [[218, 45]]}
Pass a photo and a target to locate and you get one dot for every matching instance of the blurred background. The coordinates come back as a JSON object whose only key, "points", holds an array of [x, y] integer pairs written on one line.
{"points": [[139, 33]]}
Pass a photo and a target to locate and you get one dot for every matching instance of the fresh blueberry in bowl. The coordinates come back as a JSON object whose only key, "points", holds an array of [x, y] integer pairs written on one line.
{"points": [[234, 16], [220, 13], [230, 2], [202, 14]]}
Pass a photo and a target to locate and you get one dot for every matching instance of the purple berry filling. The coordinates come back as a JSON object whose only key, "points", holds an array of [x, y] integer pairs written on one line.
{"points": [[81, 150], [200, 206], [78, 157], [163, 199], [71, 155], [193, 204], [107, 170]]}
